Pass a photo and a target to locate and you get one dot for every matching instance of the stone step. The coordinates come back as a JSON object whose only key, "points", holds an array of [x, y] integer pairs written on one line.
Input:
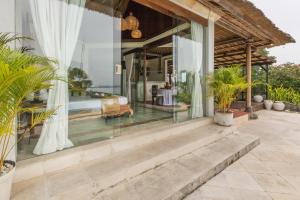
{"points": [[92, 178], [179, 177], [132, 137]]}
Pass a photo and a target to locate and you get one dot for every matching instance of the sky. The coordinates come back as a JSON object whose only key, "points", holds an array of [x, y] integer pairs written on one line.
{"points": [[285, 15]]}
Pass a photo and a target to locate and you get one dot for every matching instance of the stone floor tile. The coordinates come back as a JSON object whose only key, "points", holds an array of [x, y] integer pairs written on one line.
{"points": [[236, 180], [250, 195], [67, 180], [294, 181], [212, 193], [256, 166], [280, 196], [284, 168], [37, 191], [274, 183], [236, 167]]}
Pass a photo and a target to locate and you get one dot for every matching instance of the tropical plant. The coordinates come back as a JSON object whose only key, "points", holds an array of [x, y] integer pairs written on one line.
{"points": [[288, 95], [78, 79], [226, 84], [20, 75], [185, 89]]}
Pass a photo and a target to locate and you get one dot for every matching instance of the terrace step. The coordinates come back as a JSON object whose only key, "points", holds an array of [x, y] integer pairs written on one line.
{"points": [[94, 179], [179, 177], [132, 137]]}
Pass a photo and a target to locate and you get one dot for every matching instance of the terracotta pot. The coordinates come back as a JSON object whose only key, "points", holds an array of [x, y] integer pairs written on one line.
{"points": [[278, 106], [258, 98], [223, 119], [6, 183], [268, 104]]}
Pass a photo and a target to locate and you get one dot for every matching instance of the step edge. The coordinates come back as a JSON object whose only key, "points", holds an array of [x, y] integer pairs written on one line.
{"points": [[212, 172], [158, 160], [58, 161]]}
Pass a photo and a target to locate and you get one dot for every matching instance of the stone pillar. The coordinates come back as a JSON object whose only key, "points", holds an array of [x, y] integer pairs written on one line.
{"points": [[209, 65], [249, 76]]}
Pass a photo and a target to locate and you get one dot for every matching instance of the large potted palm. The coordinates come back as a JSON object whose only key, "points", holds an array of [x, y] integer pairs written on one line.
{"points": [[20, 75], [225, 85]]}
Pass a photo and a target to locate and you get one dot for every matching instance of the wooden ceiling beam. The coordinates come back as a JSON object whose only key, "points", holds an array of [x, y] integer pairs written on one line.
{"points": [[235, 61], [96, 6], [122, 6], [176, 10]]}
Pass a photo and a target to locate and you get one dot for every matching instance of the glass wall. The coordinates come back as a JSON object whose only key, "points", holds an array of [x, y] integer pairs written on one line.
{"points": [[116, 84], [93, 70], [189, 62]]}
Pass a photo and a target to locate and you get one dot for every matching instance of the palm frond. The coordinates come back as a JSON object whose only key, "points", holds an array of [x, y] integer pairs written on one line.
{"points": [[6, 38], [20, 75]]}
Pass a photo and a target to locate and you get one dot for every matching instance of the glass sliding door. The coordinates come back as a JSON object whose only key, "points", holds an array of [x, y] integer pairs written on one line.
{"points": [[188, 62], [93, 70]]}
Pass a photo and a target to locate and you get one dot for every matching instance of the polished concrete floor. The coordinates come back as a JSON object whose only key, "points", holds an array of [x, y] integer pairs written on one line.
{"points": [[270, 172], [92, 130]]}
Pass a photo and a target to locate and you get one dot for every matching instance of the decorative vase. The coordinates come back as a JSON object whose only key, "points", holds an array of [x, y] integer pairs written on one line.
{"points": [[6, 182], [268, 104], [258, 98], [224, 119], [278, 106]]}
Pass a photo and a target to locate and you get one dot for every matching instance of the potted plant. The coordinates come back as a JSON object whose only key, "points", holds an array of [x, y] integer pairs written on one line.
{"points": [[278, 96], [258, 98], [226, 84], [21, 74], [78, 80], [268, 103]]}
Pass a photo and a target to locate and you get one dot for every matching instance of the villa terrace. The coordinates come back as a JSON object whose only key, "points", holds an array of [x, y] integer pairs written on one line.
{"points": [[136, 120]]}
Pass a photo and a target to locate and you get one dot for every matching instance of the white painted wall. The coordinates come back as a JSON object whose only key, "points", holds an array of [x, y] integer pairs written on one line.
{"points": [[7, 16], [7, 24]]}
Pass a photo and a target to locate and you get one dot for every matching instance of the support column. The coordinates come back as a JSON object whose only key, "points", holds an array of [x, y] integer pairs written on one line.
{"points": [[267, 81], [145, 75], [209, 65], [249, 76]]}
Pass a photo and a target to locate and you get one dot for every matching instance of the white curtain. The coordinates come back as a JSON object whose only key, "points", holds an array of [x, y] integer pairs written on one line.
{"points": [[57, 24], [197, 55], [129, 61]]}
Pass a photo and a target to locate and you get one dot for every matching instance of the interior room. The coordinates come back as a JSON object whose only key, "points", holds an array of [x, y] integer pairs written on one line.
{"points": [[130, 66]]}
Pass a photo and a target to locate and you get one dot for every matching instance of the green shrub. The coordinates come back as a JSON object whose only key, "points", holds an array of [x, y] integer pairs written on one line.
{"points": [[288, 95]]}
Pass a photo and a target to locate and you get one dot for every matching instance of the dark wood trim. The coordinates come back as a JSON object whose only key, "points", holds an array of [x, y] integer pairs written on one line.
{"points": [[174, 10]]}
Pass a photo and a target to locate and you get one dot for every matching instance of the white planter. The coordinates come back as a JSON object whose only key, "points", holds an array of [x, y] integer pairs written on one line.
{"points": [[258, 98], [5, 184], [224, 119], [268, 104], [278, 106]]}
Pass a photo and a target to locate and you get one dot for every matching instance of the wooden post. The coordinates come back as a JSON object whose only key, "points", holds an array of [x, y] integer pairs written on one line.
{"points": [[267, 81], [249, 76], [145, 76]]}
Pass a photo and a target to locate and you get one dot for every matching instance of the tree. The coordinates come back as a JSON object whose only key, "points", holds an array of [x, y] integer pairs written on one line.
{"points": [[286, 75]]}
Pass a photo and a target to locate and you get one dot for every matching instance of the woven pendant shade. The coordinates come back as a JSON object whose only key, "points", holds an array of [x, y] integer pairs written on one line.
{"points": [[136, 34], [132, 22]]}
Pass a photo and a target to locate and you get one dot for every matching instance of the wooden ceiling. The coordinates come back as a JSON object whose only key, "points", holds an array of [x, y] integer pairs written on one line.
{"points": [[240, 23], [152, 23]]}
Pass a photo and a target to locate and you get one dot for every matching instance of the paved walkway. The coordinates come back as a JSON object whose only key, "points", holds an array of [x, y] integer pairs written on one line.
{"points": [[271, 171]]}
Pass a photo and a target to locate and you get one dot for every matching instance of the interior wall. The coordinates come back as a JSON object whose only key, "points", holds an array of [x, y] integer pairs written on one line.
{"points": [[155, 74]]}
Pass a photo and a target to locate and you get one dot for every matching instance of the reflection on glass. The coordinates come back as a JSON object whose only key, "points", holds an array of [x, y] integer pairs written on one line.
{"points": [[117, 84]]}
